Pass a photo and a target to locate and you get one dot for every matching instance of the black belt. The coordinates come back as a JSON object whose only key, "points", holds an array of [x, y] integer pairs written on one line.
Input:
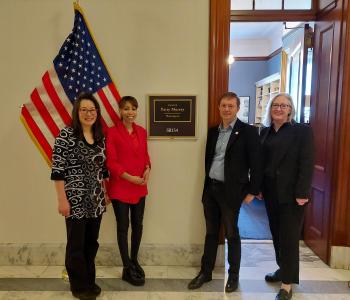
{"points": [[215, 181]]}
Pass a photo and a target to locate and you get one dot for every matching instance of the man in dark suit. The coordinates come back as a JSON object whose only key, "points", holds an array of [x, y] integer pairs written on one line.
{"points": [[232, 175]]}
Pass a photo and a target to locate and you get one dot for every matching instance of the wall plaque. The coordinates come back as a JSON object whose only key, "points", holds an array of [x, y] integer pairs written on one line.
{"points": [[172, 117]]}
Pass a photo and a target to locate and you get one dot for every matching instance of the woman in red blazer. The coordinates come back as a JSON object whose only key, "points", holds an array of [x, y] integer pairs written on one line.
{"points": [[129, 167]]}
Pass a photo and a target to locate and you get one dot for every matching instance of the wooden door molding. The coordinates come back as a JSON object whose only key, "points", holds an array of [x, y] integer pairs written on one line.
{"points": [[219, 48], [318, 215], [272, 15], [326, 215], [341, 228]]}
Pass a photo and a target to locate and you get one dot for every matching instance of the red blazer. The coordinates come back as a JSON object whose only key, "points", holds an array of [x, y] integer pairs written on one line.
{"points": [[124, 156]]}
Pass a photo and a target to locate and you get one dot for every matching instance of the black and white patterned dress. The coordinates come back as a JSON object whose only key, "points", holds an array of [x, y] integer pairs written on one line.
{"points": [[82, 167]]}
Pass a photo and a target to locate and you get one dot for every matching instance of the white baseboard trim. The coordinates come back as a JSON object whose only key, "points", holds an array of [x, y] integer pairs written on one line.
{"points": [[340, 257], [108, 254]]}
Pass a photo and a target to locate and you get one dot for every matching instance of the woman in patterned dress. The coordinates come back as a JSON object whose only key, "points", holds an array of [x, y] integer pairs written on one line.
{"points": [[129, 166], [78, 170]]}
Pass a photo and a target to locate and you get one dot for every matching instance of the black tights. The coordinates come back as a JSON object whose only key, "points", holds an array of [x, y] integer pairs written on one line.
{"points": [[121, 212]]}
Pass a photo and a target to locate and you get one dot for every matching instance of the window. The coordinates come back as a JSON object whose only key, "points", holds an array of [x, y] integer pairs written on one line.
{"points": [[297, 4], [242, 4], [271, 4]]}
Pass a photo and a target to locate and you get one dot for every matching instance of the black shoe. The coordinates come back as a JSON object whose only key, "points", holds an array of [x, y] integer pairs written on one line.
{"points": [[284, 295], [199, 280], [130, 275], [273, 277], [231, 284], [95, 290], [138, 268], [84, 295]]}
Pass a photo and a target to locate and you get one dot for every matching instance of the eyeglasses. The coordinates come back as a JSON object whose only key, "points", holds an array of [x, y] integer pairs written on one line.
{"points": [[281, 106], [86, 111]]}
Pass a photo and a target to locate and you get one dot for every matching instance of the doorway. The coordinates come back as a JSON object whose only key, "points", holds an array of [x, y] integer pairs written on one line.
{"points": [[267, 58], [326, 227]]}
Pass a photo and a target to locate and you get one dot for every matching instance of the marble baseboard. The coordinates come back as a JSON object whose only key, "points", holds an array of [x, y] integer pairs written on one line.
{"points": [[340, 257], [108, 255]]}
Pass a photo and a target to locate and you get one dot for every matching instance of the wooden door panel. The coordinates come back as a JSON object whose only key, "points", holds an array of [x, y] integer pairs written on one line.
{"points": [[317, 210], [316, 230]]}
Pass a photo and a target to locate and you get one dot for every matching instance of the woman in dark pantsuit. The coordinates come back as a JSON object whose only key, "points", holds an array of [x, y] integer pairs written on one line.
{"points": [[288, 165]]}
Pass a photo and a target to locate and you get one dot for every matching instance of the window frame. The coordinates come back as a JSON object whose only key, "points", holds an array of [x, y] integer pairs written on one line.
{"points": [[275, 14]]}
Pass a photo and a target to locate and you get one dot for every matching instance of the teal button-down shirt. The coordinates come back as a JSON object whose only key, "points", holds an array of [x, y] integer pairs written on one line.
{"points": [[217, 166]]}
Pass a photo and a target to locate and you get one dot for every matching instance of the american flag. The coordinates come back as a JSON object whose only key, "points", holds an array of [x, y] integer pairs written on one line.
{"points": [[77, 68]]}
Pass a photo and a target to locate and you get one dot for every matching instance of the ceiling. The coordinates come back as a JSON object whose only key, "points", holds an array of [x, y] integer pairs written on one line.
{"points": [[257, 38], [255, 30]]}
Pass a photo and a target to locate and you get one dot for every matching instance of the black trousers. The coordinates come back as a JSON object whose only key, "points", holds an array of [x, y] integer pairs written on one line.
{"points": [[215, 212], [81, 249], [286, 221], [121, 212]]}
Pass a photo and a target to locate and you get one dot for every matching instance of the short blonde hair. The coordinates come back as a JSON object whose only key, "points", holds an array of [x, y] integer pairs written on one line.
{"points": [[267, 119]]}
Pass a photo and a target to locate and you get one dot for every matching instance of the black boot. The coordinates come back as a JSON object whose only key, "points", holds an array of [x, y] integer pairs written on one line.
{"points": [[95, 290], [138, 268], [130, 275], [84, 295]]}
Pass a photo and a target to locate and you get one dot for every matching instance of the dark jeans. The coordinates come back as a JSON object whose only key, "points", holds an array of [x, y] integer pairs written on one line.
{"points": [[286, 221], [215, 212], [121, 212], [81, 249]]}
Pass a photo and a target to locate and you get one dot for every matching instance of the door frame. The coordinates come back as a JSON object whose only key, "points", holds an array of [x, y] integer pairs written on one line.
{"points": [[219, 41]]}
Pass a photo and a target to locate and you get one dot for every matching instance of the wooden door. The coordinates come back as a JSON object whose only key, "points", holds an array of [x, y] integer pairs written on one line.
{"points": [[323, 120]]}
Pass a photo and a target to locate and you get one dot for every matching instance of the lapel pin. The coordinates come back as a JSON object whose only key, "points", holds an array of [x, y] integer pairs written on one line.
{"points": [[236, 132]]}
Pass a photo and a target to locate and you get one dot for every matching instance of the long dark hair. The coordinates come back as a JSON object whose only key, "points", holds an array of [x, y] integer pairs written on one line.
{"points": [[96, 127]]}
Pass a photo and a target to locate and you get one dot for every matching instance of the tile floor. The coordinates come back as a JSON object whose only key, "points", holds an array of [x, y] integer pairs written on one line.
{"points": [[318, 281]]}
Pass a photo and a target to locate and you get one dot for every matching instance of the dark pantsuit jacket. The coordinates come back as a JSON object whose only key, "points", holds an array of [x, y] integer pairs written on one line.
{"points": [[293, 160], [242, 169], [287, 175]]}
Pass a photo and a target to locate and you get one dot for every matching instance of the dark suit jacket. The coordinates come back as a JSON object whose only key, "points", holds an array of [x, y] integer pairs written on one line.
{"points": [[294, 162], [242, 157]]}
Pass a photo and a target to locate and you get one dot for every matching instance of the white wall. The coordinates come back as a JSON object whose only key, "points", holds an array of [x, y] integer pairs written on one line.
{"points": [[153, 46]]}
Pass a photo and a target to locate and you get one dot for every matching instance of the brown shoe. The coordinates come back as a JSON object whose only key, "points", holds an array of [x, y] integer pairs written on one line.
{"points": [[284, 295]]}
